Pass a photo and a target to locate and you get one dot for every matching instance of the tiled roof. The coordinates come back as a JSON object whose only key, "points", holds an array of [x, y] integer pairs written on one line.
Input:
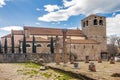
{"points": [[7, 36], [86, 41], [37, 39], [52, 31], [18, 32]]}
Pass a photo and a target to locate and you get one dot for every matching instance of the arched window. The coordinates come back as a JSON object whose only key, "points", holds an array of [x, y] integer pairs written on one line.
{"points": [[92, 46], [48, 45], [74, 47], [38, 45], [86, 23], [27, 45], [101, 22], [95, 22], [83, 24], [84, 46]]}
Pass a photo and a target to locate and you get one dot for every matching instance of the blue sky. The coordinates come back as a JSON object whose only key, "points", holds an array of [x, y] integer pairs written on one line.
{"points": [[14, 14]]}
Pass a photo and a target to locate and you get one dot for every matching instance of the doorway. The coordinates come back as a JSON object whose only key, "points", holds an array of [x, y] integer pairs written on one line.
{"points": [[104, 55]]}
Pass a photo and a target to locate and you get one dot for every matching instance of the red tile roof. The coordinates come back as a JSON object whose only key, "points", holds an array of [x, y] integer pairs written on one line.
{"points": [[52, 31], [7, 36], [18, 32]]}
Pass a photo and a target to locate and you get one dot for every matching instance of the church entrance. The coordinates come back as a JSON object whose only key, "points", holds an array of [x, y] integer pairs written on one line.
{"points": [[104, 55]]}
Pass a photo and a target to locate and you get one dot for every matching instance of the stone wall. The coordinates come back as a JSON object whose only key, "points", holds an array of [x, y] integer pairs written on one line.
{"points": [[43, 49], [25, 57], [83, 50], [96, 31]]}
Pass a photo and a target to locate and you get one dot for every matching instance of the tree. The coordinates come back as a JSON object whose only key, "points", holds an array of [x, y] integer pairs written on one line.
{"points": [[113, 39], [12, 43], [113, 45], [19, 48], [24, 44], [112, 50], [52, 45], [33, 45], [0, 47], [5, 45]]}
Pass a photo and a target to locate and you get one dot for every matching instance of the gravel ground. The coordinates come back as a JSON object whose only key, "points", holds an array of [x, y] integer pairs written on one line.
{"points": [[29, 71], [104, 70], [9, 71]]}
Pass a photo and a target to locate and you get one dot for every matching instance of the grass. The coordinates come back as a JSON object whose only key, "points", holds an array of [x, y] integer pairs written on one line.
{"points": [[29, 69], [31, 72], [33, 69], [47, 75], [64, 76], [32, 65]]}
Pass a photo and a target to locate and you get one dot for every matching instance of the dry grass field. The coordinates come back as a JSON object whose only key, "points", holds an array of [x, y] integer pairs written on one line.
{"points": [[29, 71], [104, 70]]}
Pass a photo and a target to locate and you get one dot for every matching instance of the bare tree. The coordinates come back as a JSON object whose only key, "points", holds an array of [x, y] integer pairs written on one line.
{"points": [[113, 39], [114, 43], [118, 43], [112, 50]]}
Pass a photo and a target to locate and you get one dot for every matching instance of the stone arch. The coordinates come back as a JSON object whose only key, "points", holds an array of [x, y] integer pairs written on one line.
{"points": [[95, 22], [100, 22], [38, 45], [87, 23], [27, 45], [84, 46], [83, 24], [48, 45]]}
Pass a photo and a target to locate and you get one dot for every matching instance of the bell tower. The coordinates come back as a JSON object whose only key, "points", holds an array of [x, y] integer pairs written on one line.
{"points": [[94, 27]]}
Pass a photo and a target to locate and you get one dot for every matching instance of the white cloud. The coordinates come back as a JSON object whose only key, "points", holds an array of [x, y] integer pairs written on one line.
{"points": [[55, 23], [51, 8], [72, 28], [55, 16], [37, 23], [38, 9], [113, 25], [113, 14], [65, 24], [76, 7], [9, 28], [2, 3]]}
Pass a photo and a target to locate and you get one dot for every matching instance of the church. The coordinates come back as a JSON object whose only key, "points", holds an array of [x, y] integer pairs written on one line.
{"points": [[90, 42]]}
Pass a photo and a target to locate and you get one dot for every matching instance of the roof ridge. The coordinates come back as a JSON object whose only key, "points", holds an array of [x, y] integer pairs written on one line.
{"points": [[40, 27], [48, 28], [7, 35]]}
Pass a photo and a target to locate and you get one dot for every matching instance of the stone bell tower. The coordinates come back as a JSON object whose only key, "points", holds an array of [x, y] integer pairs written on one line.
{"points": [[94, 27]]}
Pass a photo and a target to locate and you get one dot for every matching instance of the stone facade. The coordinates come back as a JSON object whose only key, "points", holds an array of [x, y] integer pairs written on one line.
{"points": [[83, 50], [89, 42], [43, 48], [94, 27]]}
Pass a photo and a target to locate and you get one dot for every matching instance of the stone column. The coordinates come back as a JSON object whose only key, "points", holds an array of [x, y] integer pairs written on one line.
{"points": [[57, 54], [99, 60], [86, 59], [64, 46]]}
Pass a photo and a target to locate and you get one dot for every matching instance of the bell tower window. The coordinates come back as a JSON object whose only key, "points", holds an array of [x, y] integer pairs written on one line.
{"points": [[101, 22], [83, 24], [86, 23], [95, 22]]}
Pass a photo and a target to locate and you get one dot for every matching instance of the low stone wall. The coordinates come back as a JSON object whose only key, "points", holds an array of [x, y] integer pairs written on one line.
{"points": [[17, 57], [12, 58]]}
